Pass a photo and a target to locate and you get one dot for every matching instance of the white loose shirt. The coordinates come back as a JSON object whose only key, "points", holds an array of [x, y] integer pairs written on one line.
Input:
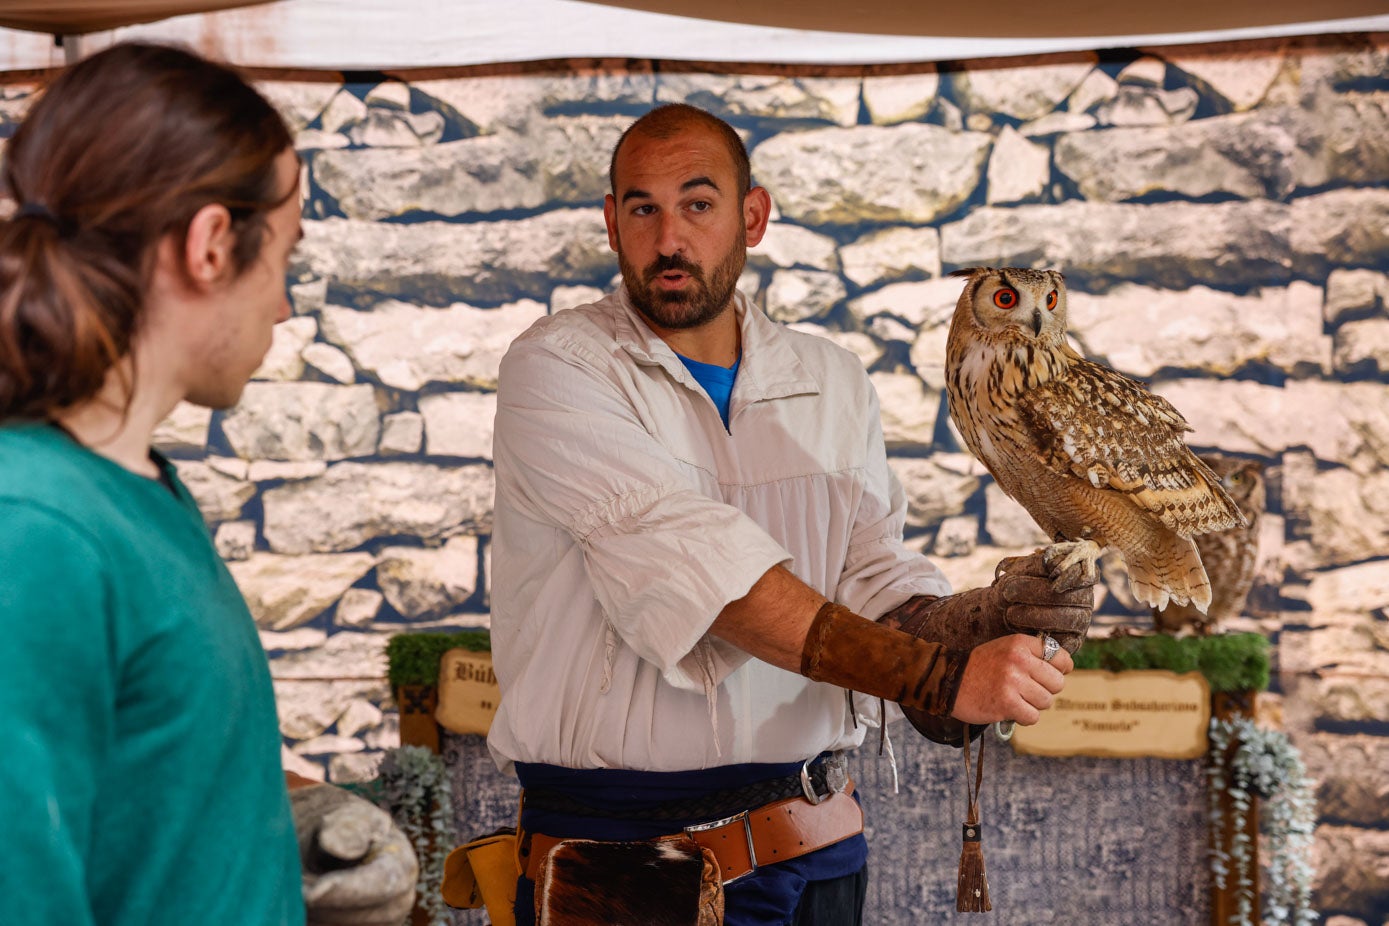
{"points": [[627, 517]]}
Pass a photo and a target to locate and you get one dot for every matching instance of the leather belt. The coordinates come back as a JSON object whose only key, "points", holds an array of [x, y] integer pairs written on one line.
{"points": [[749, 840]]}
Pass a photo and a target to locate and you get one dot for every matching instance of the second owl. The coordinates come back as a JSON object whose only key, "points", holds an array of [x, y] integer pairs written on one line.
{"points": [[1092, 455]]}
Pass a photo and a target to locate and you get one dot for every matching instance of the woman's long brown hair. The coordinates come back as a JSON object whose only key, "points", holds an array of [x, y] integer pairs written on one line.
{"points": [[120, 150]]}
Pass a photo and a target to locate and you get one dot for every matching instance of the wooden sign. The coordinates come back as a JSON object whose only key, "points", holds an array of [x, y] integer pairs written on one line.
{"points": [[468, 692], [1123, 714]]}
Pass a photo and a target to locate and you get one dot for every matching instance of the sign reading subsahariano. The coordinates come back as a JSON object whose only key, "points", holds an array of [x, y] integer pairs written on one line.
{"points": [[1123, 714]]}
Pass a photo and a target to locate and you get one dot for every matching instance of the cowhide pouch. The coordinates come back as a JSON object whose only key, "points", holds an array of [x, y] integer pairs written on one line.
{"points": [[664, 882]]}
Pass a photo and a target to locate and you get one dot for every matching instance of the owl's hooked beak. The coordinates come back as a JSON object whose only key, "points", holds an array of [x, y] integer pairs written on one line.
{"points": [[1037, 323]]}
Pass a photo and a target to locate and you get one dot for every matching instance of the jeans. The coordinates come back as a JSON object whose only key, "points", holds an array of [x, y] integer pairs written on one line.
{"points": [[836, 902]]}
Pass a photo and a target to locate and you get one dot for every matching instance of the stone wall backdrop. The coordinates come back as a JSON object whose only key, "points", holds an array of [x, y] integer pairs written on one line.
{"points": [[1221, 214]]}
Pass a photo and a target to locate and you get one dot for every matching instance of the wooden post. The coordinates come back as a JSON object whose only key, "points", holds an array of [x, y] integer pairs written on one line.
{"points": [[417, 724], [1225, 901], [419, 914], [419, 728]]}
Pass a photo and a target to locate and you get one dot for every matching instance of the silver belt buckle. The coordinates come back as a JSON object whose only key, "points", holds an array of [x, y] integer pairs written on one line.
{"points": [[808, 789], [747, 833], [836, 777]]}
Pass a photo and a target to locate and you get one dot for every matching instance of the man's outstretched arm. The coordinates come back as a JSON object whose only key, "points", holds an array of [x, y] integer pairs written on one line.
{"points": [[786, 623]]}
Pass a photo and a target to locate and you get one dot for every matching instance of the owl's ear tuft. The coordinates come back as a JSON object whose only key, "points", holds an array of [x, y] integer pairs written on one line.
{"points": [[969, 271]]}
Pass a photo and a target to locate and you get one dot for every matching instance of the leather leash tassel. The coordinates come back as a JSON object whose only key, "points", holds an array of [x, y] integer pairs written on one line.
{"points": [[972, 891]]}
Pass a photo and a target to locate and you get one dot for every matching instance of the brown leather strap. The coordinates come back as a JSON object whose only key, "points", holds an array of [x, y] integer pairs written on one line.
{"points": [[743, 843]]}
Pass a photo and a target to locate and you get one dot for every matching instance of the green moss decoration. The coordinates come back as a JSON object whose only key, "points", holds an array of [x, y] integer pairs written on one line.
{"points": [[1230, 662], [414, 657]]}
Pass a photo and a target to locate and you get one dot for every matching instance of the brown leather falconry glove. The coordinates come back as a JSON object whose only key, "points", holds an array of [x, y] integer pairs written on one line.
{"points": [[920, 665], [1022, 599], [853, 652]]}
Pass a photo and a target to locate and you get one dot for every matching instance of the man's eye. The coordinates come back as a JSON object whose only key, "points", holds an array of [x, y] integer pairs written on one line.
{"points": [[701, 206], [645, 209]]}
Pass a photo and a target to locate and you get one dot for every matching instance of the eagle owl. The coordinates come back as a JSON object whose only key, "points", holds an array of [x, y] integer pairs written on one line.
{"points": [[1093, 456], [1229, 556]]}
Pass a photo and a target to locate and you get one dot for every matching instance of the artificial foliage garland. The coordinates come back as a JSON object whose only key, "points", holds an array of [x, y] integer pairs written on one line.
{"points": [[412, 785], [1247, 762]]}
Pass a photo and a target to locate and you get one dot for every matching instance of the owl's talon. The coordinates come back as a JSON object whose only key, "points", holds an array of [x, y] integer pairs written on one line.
{"points": [[1072, 565]]}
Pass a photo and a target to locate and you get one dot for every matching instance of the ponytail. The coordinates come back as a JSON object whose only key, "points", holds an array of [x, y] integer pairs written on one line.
{"points": [[65, 319]]}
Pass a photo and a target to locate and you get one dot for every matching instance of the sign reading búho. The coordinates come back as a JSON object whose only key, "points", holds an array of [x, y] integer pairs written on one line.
{"points": [[468, 692], [1122, 715]]}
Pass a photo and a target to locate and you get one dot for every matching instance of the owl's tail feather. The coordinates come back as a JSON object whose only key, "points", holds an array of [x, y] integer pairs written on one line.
{"points": [[1174, 574]]}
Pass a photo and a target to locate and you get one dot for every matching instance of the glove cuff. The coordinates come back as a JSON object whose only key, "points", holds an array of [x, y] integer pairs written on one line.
{"points": [[853, 652]]}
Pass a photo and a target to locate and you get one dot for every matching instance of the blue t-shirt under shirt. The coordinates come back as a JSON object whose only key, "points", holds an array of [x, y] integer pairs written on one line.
{"points": [[716, 380]]}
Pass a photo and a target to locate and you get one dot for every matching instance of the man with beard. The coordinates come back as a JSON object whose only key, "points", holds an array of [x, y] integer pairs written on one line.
{"points": [[693, 509]]}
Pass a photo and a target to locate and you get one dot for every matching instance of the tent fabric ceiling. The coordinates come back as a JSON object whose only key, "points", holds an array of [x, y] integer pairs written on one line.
{"points": [[396, 35], [74, 17], [997, 19], [1010, 18]]}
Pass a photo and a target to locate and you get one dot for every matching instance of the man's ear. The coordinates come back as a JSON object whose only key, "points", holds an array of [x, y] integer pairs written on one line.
{"points": [[757, 210], [610, 218], [209, 245]]}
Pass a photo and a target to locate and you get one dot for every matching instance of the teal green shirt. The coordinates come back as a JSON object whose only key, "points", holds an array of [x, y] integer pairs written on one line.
{"points": [[140, 777]]}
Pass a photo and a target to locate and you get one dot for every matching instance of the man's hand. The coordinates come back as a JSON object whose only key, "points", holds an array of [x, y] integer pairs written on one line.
{"points": [[1007, 679]]}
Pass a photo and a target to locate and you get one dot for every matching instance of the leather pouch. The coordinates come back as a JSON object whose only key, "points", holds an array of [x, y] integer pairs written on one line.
{"points": [[662, 882], [483, 873]]}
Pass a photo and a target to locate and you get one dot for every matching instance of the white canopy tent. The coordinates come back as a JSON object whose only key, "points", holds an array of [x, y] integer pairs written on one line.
{"points": [[396, 34]]}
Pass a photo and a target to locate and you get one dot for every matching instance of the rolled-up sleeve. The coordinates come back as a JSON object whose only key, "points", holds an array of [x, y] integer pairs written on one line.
{"points": [[662, 557]]}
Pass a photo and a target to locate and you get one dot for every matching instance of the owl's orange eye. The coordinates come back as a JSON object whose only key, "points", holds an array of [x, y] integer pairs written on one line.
{"points": [[1006, 298], [1051, 301]]}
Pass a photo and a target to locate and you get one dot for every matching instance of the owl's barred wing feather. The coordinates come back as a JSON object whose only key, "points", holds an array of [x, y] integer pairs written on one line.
{"points": [[1102, 427]]}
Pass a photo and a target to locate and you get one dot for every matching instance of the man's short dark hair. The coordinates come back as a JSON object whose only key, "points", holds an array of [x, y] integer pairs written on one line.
{"points": [[669, 120]]}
